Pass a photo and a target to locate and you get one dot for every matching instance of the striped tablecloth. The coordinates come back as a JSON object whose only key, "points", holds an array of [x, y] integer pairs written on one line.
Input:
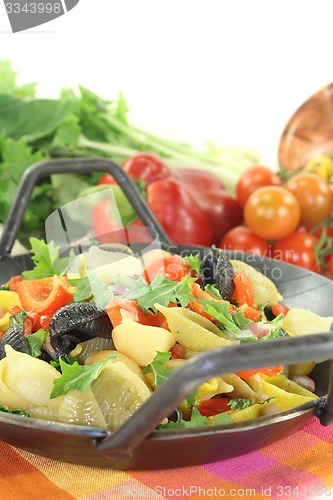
{"points": [[298, 466]]}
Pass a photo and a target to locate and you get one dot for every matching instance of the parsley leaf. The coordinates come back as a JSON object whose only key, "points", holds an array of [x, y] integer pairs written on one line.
{"points": [[92, 287], [157, 367], [46, 259], [240, 403], [163, 291], [36, 341], [78, 377]]}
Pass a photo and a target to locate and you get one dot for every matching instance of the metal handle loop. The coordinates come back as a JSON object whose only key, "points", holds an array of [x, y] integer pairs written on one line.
{"points": [[79, 166]]}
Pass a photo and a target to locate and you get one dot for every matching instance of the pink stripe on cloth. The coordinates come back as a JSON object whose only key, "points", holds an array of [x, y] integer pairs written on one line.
{"points": [[281, 481], [234, 469]]}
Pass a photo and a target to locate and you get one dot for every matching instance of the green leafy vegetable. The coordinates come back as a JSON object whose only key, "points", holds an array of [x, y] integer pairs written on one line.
{"points": [[78, 377], [36, 341], [157, 367], [18, 320], [197, 420], [193, 261], [15, 411], [274, 334], [92, 287], [67, 358], [233, 323], [163, 291], [213, 290], [240, 403], [46, 260]]}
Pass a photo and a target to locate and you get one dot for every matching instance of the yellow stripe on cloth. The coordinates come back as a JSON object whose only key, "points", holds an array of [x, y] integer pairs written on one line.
{"points": [[87, 482]]}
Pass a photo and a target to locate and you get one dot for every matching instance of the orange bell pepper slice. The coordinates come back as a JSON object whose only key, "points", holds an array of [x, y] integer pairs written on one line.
{"points": [[44, 296], [119, 308], [243, 292]]}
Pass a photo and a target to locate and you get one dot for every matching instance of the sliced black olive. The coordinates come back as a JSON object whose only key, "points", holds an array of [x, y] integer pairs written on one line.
{"points": [[216, 269], [15, 338], [176, 416], [75, 323]]}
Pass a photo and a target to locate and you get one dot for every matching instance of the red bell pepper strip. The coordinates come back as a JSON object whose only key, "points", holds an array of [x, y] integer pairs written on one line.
{"points": [[270, 371], [171, 267], [178, 351], [279, 309], [118, 308], [44, 296], [243, 292], [213, 406], [31, 322]]}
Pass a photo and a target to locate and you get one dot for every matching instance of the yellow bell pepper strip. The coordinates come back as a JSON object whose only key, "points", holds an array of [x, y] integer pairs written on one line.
{"points": [[8, 299]]}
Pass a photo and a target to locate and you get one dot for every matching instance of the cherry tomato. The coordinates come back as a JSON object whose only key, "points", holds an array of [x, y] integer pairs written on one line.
{"points": [[254, 178], [146, 167], [298, 248], [272, 212], [314, 196], [242, 238]]}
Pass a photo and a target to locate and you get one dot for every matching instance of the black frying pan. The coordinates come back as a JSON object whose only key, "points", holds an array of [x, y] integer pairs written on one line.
{"points": [[137, 445]]}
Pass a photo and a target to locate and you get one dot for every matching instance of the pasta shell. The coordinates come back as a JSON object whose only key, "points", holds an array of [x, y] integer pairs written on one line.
{"points": [[304, 322], [241, 388], [119, 393], [285, 393], [30, 378], [44, 413], [81, 408], [141, 342], [188, 332], [7, 396], [100, 356]]}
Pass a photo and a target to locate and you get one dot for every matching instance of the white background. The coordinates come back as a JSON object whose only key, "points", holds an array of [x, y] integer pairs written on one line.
{"points": [[227, 71]]}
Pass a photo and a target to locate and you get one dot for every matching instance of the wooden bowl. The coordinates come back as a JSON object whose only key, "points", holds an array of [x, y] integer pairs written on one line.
{"points": [[309, 132]]}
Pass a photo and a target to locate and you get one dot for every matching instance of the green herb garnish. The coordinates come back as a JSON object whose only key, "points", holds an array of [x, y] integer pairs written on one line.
{"points": [[78, 377]]}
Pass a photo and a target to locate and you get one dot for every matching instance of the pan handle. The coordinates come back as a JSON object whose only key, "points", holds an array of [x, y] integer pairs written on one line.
{"points": [[78, 166], [201, 368]]}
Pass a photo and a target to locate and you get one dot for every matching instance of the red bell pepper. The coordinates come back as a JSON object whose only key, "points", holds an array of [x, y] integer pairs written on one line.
{"points": [[243, 292], [118, 308], [171, 267], [191, 205], [270, 371], [214, 406], [44, 296]]}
